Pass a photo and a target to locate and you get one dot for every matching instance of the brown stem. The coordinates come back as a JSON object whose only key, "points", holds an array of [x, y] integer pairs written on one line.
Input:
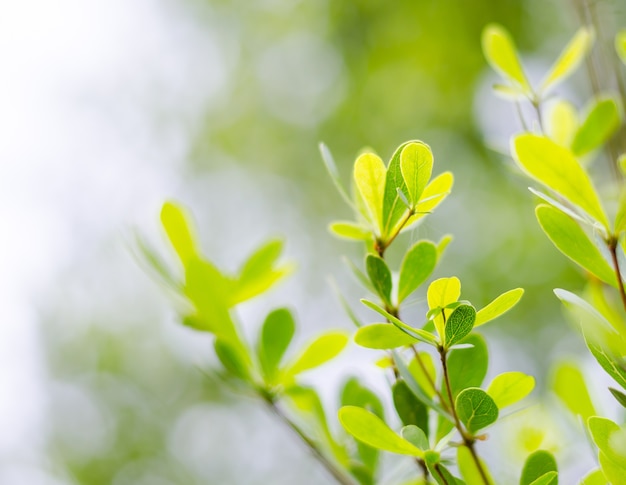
{"points": [[612, 245], [420, 362]]}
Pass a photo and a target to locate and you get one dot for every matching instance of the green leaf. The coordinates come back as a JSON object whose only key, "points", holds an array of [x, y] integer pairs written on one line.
{"points": [[620, 45], [538, 464], [393, 207], [380, 276], [350, 230], [571, 240], [469, 471], [410, 409], [561, 122], [424, 372], [258, 274], [501, 55], [476, 409], [416, 165], [510, 387], [417, 265], [616, 369], [614, 472], [276, 335], [602, 121], [569, 385], [443, 244], [318, 352], [619, 395], [147, 254], [179, 230], [231, 359], [468, 367], [382, 336], [414, 435], [570, 58], [459, 324], [499, 306], [434, 193], [417, 333], [442, 475], [556, 167], [609, 438], [620, 217], [441, 293], [371, 430], [359, 275], [550, 478], [595, 477], [369, 178]]}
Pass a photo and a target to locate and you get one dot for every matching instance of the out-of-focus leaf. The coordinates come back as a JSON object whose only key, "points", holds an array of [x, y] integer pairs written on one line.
{"points": [[469, 471], [510, 387], [350, 230], [595, 477], [410, 409], [459, 324], [476, 409], [614, 472], [556, 167], [418, 263], [443, 244], [383, 336], [616, 369], [359, 275], [602, 121], [155, 262], [276, 335], [380, 276], [569, 385], [442, 475], [498, 306], [231, 359], [331, 167], [610, 440], [371, 430], [416, 165], [620, 218], [369, 178], [414, 435], [561, 122], [423, 370], [501, 54], [324, 348], [619, 396], [570, 58], [538, 464], [177, 224], [620, 45], [504, 91], [572, 241]]}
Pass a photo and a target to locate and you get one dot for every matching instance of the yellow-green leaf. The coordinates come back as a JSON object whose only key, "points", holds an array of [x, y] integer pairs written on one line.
{"points": [[499, 306], [569, 385], [318, 352], [510, 387], [501, 54], [469, 470], [179, 230], [369, 177], [570, 58], [440, 293], [561, 122], [434, 193], [416, 164], [556, 167], [620, 45], [350, 230], [594, 477], [620, 218], [382, 336], [423, 370], [601, 122]]}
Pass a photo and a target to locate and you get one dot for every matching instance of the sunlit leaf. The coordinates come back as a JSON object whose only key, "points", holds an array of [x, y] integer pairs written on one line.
{"points": [[510, 387], [501, 55], [382, 336], [508, 92], [369, 178], [617, 370], [538, 464], [371, 430], [440, 293], [570, 58], [614, 472], [602, 121], [620, 218], [393, 207], [443, 244], [572, 241], [410, 409], [276, 334], [177, 224], [469, 471], [318, 352], [561, 122], [476, 409], [380, 276], [418, 263], [556, 167], [416, 165], [570, 211], [498, 306], [459, 324], [350, 230], [434, 193], [607, 437], [595, 477], [569, 385], [620, 45]]}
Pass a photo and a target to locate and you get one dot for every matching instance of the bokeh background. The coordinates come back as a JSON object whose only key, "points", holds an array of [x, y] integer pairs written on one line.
{"points": [[108, 108]]}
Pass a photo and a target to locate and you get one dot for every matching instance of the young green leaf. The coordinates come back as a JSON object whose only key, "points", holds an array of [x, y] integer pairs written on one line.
{"points": [[423, 370], [613, 367], [147, 254], [410, 409], [434, 193], [569, 385], [369, 178], [571, 240], [383, 336], [276, 335], [510, 387], [416, 165], [501, 55], [537, 465], [606, 435], [614, 472], [569, 60], [499, 306], [179, 230], [620, 45], [556, 167], [380, 276], [393, 207], [595, 477], [602, 121], [561, 122], [440, 293], [469, 471], [459, 324], [359, 275], [417, 265], [231, 359], [619, 396], [318, 352], [468, 367], [476, 409], [350, 230], [414, 435], [371, 430]]}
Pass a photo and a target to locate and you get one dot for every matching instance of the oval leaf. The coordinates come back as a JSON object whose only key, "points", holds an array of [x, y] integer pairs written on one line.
{"points": [[417, 265], [179, 230], [393, 206], [602, 121], [369, 178], [501, 55], [569, 385], [416, 165], [537, 465], [570, 58], [510, 387], [561, 122], [414, 435], [318, 352], [276, 334], [410, 409], [382, 336], [380, 276], [441, 293], [434, 193], [371, 430], [476, 409], [468, 367], [459, 324], [499, 306]]}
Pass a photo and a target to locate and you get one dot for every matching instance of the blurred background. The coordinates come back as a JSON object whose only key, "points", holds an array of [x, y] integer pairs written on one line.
{"points": [[108, 108]]}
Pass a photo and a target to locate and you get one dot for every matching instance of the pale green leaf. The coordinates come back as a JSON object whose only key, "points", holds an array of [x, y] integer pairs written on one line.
{"points": [[416, 165], [501, 55], [459, 324], [276, 334], [614, 472], [371, 430], [620, 218], [440, 293], [512, 93], [594, 477], [620, 45], [570, 58], [318, 352], [418, 263], [369, 178], [382, 336], [476, 409], [414, 435], [147, 254], [443, 244], [608, 437], [510, 387], [616, 369], [423, 370], [442, 475], [569, 385], [537, 465], [179, 229], [393, 207], [469, 471], [410, 409], [380, 276], [572, 212], [601, 122], [557, 168], [561, 122], [350, 230], [434, 193], [499, 306], [572, 241]]}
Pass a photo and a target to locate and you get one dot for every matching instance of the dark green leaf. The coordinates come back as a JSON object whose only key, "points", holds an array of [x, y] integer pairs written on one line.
{"points": [[276, 334], [380, 276], [409, 408], [538, 464], [468, 367], [550, 478], [417, 265], [459, 324], [476, 409], [619, 395]]}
